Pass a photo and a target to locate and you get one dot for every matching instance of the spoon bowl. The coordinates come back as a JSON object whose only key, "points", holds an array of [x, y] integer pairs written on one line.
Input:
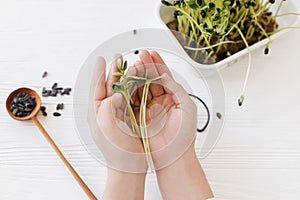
{"points": [[29, 91]]}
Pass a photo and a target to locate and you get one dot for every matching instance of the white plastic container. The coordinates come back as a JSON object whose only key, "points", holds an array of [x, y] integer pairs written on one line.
{"points": [[165, 15]]}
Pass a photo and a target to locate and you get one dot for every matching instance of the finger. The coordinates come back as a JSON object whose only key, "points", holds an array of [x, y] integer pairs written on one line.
{"points": [[160, 64], [150, 67], [118, 101], [99, 82], [180, 96], [132, 71], [140, 69], [111, 77]]}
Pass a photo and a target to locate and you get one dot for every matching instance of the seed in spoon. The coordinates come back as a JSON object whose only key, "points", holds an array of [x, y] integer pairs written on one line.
{"points": [[22, 104]]}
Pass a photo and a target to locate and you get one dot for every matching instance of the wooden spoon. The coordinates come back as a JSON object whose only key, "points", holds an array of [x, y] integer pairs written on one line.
{"points": [[33, 117]]}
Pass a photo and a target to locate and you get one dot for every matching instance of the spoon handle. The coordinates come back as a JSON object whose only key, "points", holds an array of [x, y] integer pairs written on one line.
{"points": [[62, 157]]}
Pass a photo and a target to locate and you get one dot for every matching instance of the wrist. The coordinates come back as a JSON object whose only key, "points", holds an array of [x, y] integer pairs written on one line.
{"points": [[186, 162], [123, 185], [115, 174], [184, 179]]}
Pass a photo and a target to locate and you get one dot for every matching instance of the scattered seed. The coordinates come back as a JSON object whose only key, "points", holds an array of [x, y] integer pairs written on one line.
{"points": [[60, 106], [134, 31], [43, 108], [44, 113], [59, 88], [66, 91], [54, 85], [45, 74], [56, 114], [219, 115], [55, 90], [53, 93], [136, 52]]}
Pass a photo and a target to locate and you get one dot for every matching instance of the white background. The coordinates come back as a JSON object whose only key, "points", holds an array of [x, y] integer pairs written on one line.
{"points": [[257, 157]]}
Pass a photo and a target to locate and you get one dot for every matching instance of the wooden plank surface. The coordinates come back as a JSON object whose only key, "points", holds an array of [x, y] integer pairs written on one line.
{"points": [[257, 156]]}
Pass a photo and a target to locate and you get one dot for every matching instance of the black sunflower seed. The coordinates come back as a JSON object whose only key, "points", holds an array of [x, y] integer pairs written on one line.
{"points": [[56, 114]]}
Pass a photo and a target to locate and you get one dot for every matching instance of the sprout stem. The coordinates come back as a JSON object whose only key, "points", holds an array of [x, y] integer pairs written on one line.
{"points": [[211, 46], [249, 64], [286, 14]]}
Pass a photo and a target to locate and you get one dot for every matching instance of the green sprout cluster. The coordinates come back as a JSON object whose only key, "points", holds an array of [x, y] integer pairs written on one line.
{"points": [[217, 29], [127, 86]]}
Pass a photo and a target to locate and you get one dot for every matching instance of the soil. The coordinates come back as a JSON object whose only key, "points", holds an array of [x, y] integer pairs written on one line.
{"points": [[225, 50]]}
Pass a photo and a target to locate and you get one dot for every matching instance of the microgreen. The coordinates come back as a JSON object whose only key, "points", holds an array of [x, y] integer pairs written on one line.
{"points": [[126, 86], [220, 28]]}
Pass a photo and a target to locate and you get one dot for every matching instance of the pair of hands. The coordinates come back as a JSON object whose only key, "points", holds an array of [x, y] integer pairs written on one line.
{"points": [[172, 126], [171, 120]]}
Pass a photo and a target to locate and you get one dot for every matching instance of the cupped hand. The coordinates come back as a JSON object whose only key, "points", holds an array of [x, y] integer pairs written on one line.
{"points": [[122, 150], [172, 115]]}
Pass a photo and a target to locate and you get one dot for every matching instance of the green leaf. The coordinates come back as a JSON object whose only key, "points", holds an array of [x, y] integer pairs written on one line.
{"points": [[118, 74], [210, 30], [193, 5], [119, 64], [117, 87], [218, 29], [227, 2], [118, 83]]}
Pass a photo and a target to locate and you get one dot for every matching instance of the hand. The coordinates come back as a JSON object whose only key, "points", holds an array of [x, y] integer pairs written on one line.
{"points": [[113, 137], [172, 115], [123, 151]]}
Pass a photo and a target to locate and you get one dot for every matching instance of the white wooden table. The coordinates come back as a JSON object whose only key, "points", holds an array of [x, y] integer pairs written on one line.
{"points": [[257, 157]]}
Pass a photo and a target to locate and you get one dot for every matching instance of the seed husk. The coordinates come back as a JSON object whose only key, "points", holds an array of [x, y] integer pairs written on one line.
{"points": [[60, 106], [266, 51], [45, 74], [211, 5], [219, 115], [54, 85], [56, 114]]}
